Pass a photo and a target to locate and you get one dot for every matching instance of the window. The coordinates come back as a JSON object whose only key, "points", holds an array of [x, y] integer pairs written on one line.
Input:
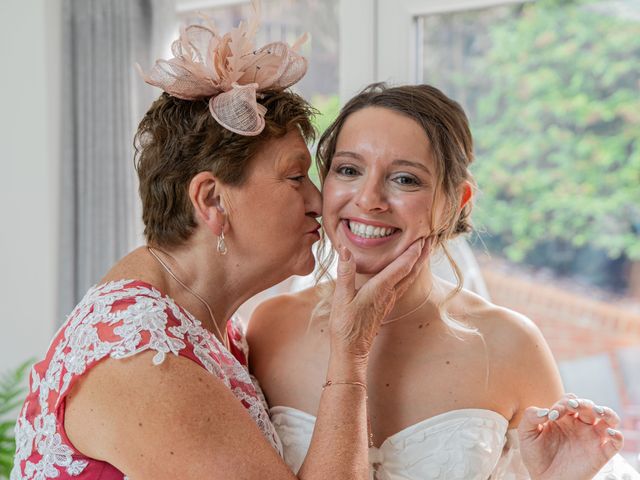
{"points": [[552, 92]]}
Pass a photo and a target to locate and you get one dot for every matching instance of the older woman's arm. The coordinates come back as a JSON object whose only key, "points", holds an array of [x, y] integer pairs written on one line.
{"points": [[176, 420], [169, 421]]}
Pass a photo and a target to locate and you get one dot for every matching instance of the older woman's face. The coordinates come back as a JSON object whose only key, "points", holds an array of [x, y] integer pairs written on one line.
{"points": [[273, 214], [378, 193]]}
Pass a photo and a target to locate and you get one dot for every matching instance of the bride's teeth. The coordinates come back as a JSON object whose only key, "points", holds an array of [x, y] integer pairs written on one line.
{"points": [[369, 231]]}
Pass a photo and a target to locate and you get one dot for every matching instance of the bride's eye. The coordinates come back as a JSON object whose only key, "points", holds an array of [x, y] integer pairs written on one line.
{"points": [[406, 180], [346, 170]]}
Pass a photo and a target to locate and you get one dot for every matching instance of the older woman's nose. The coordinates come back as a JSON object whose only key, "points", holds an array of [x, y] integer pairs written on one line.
{"points": [[313, 201]]}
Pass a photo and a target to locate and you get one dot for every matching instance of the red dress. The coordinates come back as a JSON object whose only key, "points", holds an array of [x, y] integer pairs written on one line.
{"points": [[117, 320]]}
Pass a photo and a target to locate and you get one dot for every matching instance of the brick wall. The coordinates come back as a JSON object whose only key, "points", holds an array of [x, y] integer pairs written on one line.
{"points": [[575, 326]]}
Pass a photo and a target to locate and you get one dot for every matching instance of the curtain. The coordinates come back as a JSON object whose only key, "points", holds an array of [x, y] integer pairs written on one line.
{"points": [[103, 99]]}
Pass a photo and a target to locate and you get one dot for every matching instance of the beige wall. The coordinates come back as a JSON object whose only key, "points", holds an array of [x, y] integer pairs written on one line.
{"points": [[29, 159]]}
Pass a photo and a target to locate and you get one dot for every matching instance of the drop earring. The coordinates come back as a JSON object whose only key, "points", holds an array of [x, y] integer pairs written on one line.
{"points": [[222, 246]]}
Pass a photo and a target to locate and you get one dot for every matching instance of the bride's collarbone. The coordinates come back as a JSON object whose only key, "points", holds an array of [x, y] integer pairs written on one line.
{"points": [[420, 380], [398, 400]]}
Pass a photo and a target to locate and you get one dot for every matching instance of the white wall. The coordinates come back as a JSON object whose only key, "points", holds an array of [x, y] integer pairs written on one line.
{"points": [[29, 159]]}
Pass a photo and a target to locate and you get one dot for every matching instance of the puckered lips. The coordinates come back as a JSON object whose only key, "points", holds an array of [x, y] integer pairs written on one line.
{"points": [[315, 231], [368, 233]]}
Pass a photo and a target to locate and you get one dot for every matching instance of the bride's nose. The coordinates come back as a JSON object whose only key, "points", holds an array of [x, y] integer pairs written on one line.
{"points": [[371, 195]]}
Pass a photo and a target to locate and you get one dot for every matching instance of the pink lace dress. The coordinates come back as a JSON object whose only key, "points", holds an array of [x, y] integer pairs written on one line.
{"points": [[117, 320]]}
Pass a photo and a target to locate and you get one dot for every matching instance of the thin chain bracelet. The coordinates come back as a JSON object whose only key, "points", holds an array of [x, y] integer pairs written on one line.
{"points": [[329, 383]]}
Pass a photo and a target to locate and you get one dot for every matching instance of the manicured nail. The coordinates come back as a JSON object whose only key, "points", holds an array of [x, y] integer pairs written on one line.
{"points": [[573, 403], [612, 432], [553, 415], [542, 412], [599, 410]]}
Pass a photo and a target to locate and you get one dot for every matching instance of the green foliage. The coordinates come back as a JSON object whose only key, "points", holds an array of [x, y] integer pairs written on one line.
{"points": [[328, 107], [557, 128], [12, 392]]}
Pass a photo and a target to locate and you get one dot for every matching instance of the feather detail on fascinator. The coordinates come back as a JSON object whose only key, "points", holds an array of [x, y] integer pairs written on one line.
{"points": [[229, 71]]}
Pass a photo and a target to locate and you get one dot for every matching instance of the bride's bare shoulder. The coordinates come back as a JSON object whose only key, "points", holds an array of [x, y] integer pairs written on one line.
{"points": [[515, 345], [502, 328], [282, 317]]}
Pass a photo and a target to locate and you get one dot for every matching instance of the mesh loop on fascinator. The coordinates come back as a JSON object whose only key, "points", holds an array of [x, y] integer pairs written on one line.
{"points": [[238, 110], [229, 71]]}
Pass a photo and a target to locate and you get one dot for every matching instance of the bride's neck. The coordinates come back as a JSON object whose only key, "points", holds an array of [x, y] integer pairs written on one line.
{"points": [[413, 297]]}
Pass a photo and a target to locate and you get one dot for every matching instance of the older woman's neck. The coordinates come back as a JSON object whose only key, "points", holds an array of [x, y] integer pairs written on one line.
{"points": [[223, 281]]}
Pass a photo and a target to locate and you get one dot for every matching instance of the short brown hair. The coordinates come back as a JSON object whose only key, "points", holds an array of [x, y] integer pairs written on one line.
{"points": [[177, 139]]}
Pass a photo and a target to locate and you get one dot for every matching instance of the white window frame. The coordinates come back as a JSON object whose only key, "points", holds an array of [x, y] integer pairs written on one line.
{"points": [[378, 38], [183, 6], [399, 55], [381, 38]]}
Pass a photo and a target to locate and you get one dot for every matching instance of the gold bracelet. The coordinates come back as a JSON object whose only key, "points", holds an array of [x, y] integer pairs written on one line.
{"points": [[328, 383]]}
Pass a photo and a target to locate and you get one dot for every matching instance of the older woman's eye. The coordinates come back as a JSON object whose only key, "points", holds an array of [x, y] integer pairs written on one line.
{"points": [[298, 178]]}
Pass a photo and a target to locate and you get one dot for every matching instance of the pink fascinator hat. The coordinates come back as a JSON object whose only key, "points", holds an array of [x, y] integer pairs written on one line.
{"points": [[229, 71]]}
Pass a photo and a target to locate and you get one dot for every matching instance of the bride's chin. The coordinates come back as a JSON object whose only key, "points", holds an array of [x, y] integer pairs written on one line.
{"points": [[368, 268]]}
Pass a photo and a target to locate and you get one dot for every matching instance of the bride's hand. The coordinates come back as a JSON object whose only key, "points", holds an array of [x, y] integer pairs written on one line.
{"points": [[571, 440], [356, 314]]}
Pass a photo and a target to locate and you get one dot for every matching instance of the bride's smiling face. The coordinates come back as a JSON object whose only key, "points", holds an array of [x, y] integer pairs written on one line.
{"points": [[378, 195]]}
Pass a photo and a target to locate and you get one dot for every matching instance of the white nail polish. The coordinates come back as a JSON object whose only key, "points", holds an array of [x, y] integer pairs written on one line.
{"points": [[542, 412], [599, 410], [612, 432], [573, 403], [553, 415]]}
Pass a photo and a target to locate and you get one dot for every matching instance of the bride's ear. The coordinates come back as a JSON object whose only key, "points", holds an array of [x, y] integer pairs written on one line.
{"points": [[205, 192], [467, 193]]}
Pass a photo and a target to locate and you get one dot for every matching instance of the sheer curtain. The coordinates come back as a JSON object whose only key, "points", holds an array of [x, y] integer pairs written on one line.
{"points": [[103, 99]]}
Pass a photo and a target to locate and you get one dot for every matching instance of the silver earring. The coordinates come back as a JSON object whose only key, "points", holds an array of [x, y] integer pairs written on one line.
{"points": [[222, 246]]}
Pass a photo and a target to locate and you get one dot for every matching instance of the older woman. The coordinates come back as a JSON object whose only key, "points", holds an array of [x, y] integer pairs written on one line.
{"points": [[451, 375], [141, 381]]}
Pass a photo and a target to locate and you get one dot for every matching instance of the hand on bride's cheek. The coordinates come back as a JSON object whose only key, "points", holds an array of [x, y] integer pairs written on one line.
{"points": [[378, 195]]}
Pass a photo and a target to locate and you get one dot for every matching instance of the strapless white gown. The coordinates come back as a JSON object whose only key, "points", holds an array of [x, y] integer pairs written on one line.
{"points": [[469, 444]]}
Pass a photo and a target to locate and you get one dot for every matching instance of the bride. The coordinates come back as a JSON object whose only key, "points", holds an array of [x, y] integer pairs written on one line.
{"points": [[458, 388]]}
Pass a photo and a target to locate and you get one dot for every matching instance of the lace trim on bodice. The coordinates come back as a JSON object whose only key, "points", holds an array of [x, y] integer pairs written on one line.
{"points": [[469, 444], [115, 320]]}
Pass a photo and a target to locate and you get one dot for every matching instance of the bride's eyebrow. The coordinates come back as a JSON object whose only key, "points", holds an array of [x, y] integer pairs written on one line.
{"points": [[343, 153], [409, 163]]}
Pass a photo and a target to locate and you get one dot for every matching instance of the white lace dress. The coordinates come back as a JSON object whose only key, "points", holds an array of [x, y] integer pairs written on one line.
{"points": [[469, 444]]}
